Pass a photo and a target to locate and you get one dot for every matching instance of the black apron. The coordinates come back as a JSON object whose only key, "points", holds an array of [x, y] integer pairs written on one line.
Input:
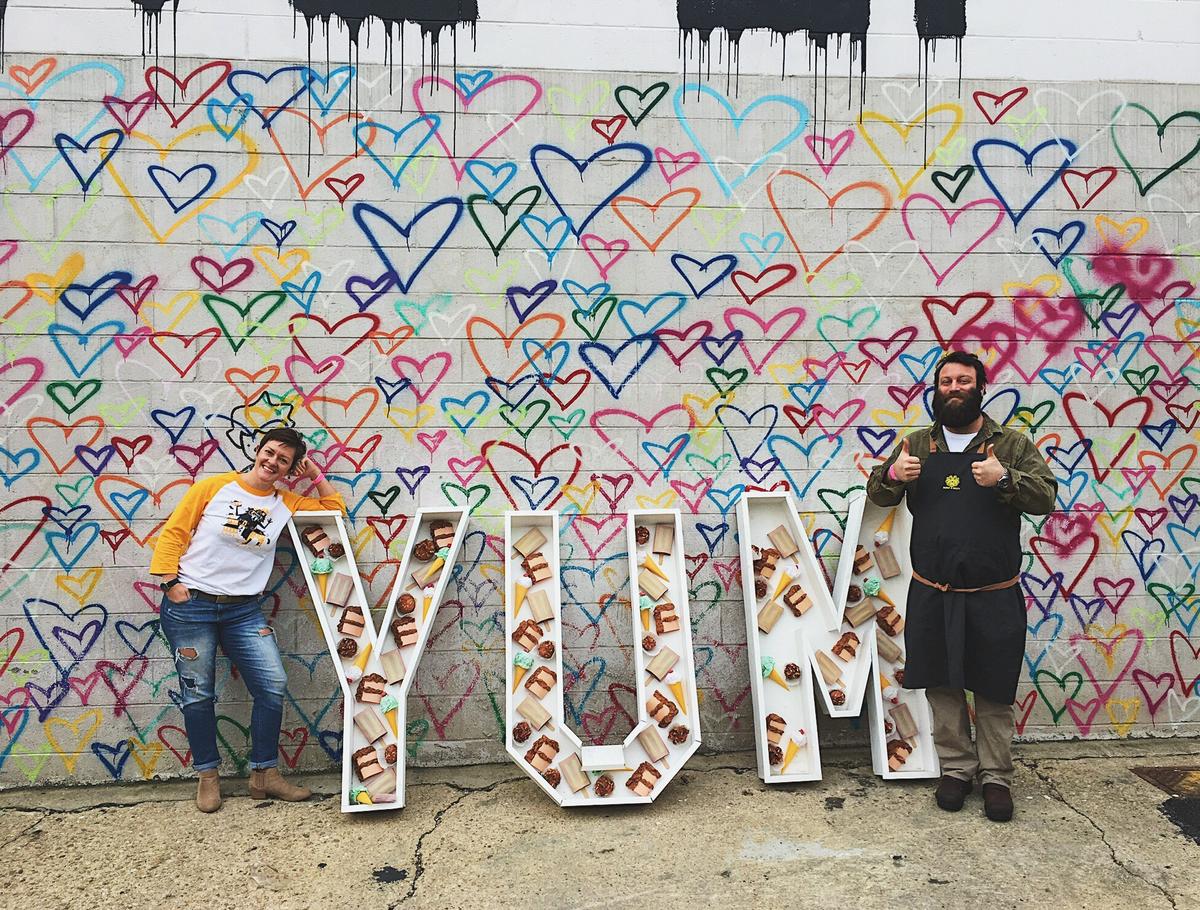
{"points": [[964, 537]]}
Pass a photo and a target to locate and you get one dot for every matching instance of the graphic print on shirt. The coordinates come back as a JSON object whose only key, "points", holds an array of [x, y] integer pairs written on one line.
{"points": [[247, 524]]}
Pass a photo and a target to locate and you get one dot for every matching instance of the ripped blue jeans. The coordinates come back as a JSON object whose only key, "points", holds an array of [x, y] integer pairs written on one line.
{"points": [[194, 628]]}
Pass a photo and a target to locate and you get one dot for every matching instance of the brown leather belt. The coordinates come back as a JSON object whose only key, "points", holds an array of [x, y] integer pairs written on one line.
{"points": [[224, 599], [946, 589]]}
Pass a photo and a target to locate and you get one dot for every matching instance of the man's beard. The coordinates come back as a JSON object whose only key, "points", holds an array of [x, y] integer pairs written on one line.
{"points": [[960, 410]]}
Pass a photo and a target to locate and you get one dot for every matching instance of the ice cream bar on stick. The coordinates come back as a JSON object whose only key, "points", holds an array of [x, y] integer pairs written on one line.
{"points": [[651, 740], [369, 723], [664, 539], [392, 665], [539, 606], [531, 709], [768, 616], [906, 725], [652, 584], [885, 558], [571, 769], [860, 612], [888, 649], [382, 785], [530, 542], [781, 539], [663, 661], [339, 589], [830, 671]]}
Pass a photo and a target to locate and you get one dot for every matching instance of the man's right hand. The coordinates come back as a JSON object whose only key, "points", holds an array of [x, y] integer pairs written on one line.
{"points": [[907, 467], [179, 593]]}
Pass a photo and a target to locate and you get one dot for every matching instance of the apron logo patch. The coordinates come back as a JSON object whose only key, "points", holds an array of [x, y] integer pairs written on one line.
{"points": [[952, 482]]}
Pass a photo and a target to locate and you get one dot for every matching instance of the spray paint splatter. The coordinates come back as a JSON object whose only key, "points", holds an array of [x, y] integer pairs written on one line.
{"points": [[850, 19]]}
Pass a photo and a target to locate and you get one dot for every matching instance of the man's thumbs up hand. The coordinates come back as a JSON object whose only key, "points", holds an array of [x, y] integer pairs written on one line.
{"points": [[907, 466], [988, 472]]}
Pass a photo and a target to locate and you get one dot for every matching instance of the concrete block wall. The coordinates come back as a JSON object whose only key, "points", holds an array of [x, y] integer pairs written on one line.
{"points": [[151, 319]]}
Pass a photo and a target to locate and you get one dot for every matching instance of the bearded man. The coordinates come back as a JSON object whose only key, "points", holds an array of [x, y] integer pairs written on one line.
{"points": [[967, 481]]}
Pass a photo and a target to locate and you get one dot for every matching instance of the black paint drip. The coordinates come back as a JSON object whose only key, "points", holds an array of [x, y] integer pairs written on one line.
{"points": [[3, 10], [431, 16], [152, 11], [818, 19], [940, 19]]}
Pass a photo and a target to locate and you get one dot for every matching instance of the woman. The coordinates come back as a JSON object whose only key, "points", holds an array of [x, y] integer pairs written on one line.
{"points": [[213, 560]]}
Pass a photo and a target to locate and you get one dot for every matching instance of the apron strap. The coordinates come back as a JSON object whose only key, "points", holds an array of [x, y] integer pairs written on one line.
{"points": [[946, 589]]}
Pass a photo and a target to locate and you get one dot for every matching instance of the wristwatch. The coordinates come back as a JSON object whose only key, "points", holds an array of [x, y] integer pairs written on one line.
{"points": [[168, 584], [1004, 482]]}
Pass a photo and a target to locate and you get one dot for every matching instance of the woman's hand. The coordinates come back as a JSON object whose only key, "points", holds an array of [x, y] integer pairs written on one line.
{"points": [[308, 470], [179, 593]]}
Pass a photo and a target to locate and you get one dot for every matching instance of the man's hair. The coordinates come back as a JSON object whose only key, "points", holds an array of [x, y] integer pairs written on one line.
{"points": [[966, 360], [288, 437]]}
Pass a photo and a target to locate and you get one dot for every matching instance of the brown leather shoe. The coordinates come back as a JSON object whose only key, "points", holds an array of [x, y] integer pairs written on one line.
{"points": [[208, 793], [952, 792], [997, 802], [268, 782]]}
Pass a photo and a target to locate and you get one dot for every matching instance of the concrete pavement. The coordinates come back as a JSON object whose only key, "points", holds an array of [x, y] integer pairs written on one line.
{"points": [[1088, 833]]}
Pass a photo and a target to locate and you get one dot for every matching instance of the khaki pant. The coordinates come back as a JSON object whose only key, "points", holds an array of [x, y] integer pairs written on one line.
{"points": [[990, 756]]}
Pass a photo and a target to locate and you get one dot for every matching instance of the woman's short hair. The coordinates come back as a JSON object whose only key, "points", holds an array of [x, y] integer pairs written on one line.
{"points": [[288, 437]]}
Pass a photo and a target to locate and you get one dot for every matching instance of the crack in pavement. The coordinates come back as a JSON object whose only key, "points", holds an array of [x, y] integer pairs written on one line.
{"points": [[419, 855], [1125, 867], [28, 829]]}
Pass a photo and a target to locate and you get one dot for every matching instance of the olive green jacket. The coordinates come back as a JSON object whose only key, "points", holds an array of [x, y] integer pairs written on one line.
{"points": [[1032, 489]]}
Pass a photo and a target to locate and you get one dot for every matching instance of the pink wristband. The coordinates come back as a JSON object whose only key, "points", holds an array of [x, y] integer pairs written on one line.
{"points": [[892, 472]]}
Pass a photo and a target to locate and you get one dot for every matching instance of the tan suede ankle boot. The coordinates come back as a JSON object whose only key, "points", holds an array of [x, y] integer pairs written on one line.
{"points": [[208, 793], [266, 782]]}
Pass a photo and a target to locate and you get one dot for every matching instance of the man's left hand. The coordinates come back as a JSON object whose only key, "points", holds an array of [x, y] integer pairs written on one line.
{"points": [[988, 472]]}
